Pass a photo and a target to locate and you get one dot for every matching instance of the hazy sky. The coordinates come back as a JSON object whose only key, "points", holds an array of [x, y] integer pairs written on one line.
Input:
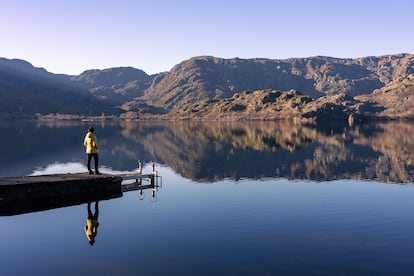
{"points": [[70, 36]]}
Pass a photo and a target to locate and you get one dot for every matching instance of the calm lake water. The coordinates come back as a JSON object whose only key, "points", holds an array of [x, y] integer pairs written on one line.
{"points": [[235, 199]]}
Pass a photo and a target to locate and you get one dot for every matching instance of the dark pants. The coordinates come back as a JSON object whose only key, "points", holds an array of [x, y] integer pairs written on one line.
{"points": [[93, 216], [95, 158]]}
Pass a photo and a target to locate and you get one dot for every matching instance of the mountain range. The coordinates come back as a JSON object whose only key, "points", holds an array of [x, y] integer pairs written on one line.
{"points": [[377, 86]]}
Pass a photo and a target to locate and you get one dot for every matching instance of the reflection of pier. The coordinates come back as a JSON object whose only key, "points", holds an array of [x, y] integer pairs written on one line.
{"points": [[20, 195]]}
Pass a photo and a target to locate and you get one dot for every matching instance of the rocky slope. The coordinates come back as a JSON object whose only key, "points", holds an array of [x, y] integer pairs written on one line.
{"points": [[396, 99], [276, 105], [202, 78], [26, 90]]}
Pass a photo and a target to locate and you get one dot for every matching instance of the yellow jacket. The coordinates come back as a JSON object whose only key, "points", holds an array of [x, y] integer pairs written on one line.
{"points": [[90, 143], [91, 228]]}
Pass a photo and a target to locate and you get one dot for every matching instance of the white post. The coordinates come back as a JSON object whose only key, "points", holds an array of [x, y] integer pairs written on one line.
{"points": [[139, 169]]}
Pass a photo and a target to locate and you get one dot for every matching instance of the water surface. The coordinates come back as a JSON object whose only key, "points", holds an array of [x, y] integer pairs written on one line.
{"points": [[236, 199]]}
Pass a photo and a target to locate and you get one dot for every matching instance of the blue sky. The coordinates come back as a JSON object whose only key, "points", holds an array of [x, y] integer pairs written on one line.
{"points": [[154, 35]]}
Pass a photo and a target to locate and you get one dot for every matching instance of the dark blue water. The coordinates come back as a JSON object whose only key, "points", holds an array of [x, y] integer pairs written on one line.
{"points": [[213, 218]]}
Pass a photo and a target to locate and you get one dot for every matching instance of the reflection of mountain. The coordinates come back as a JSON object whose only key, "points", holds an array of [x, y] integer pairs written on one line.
{"points": [[206, 152], [213, 151], [396, 162]]}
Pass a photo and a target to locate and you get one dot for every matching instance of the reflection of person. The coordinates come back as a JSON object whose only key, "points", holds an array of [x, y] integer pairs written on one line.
{"points": [[91, 144], [91, 227]]}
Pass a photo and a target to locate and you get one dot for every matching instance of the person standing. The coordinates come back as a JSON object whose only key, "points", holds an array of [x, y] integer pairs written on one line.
{"points": [[91, 144]]}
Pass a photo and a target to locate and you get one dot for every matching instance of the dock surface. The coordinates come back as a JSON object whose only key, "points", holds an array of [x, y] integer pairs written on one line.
{"points": [[35, 193], [25, 194], [55, 178]]}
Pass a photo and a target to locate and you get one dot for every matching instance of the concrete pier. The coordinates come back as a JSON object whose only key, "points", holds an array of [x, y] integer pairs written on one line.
{"points": [[26, 194], [35, 193]]}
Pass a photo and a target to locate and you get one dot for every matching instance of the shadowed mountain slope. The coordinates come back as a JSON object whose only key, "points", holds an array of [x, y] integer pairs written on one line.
{"points": [[26, 90], [114, 85]]}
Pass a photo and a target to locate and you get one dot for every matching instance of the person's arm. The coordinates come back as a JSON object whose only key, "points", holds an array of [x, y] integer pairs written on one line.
{"points": [[96, 143]]}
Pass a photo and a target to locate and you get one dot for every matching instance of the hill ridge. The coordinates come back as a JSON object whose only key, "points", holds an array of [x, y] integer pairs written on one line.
{"points": [[193, 80]]}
